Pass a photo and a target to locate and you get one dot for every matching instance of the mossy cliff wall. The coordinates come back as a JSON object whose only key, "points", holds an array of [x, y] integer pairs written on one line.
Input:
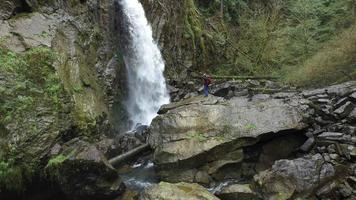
{"points": [[61, 77], [190, 39]]}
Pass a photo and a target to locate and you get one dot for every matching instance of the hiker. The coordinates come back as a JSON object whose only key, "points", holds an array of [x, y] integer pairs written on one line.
{"points": [[207, 82]]}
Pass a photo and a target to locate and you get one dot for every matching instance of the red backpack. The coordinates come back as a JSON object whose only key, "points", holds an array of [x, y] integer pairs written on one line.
{"points": [[207, 80]]}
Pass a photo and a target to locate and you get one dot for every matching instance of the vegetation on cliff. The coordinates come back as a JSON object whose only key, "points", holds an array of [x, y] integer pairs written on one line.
{"points": [[292, 39], [29, 89]]}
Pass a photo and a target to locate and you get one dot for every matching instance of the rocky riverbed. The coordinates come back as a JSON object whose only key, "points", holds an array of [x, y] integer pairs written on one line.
{"points": [[254, 145], [284, 145]]}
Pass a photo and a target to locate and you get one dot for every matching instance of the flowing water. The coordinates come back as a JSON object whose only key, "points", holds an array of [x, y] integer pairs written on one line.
{"points": [[145, 66]]}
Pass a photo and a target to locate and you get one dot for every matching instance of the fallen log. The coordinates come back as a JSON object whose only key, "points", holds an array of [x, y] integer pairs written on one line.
{"points": [[246, 77], [268, 90], [128, 155]]}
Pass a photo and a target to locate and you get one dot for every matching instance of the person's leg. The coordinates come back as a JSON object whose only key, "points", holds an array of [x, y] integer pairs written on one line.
{"points": [[206, 90]]}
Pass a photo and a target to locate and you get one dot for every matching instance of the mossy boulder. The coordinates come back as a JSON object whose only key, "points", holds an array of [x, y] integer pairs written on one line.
{"points": [[209, 133], [179, 191], [82, 172], [290, 178]]}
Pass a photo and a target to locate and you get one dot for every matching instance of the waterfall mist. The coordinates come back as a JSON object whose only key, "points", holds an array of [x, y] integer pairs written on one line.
{"points": [[145, 66]]}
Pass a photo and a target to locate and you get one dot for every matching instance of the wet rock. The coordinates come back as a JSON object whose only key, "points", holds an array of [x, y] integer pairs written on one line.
{"points": [[289, 177], [126, 142], [179, 191], [82, 172], [237, 191], [108, 147]]}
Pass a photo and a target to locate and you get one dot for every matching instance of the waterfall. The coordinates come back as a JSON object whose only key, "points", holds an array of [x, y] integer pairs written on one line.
{"points": [[145, 66]]}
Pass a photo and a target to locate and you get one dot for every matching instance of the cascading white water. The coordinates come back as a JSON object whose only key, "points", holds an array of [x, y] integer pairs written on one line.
{"points": [[145, 66]]}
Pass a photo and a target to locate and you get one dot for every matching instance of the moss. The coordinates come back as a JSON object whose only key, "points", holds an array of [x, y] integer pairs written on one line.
{"points": [[52, 169], [30, 87], [56, 160], [194, 28], [250, 127], [33, 80], [14, 177], [196, 136]]}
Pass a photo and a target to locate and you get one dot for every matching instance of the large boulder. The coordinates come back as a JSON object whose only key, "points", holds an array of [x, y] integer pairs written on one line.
{"points": [[179, 191], [199, 130], [300, 176], [82, 172]]}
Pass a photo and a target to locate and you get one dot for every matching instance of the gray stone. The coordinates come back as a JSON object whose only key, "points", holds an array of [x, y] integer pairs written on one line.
{"points": [[341, 90], [282, 95], [241, 93], [288, 177], [341, 102], [352, 115], [344, 110], [353, 97], [345, 190], [310, 93], [7, 8], [326, 189], [331, 149], [323, 101], [196, 127], [237, 191], [329, 135], [308, 145], [334, 156], [326, 157], [353, 153], [221, 90], [172, 89], [353, 140], [260, 97]]}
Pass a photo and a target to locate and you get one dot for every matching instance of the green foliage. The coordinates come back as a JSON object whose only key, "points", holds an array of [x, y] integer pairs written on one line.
{"points": [[56, 160], [194, 29], [276, 36], [30, 83], [250, 127], [335, 62], [13, 177], [197, 136]]}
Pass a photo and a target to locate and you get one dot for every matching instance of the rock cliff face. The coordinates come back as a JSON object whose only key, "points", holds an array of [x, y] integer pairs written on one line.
{"points": [[189, 40], [61, 78]]}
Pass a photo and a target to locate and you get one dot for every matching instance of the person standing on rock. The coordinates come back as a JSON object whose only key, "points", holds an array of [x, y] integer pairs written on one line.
{"points": [[207, 82]]}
